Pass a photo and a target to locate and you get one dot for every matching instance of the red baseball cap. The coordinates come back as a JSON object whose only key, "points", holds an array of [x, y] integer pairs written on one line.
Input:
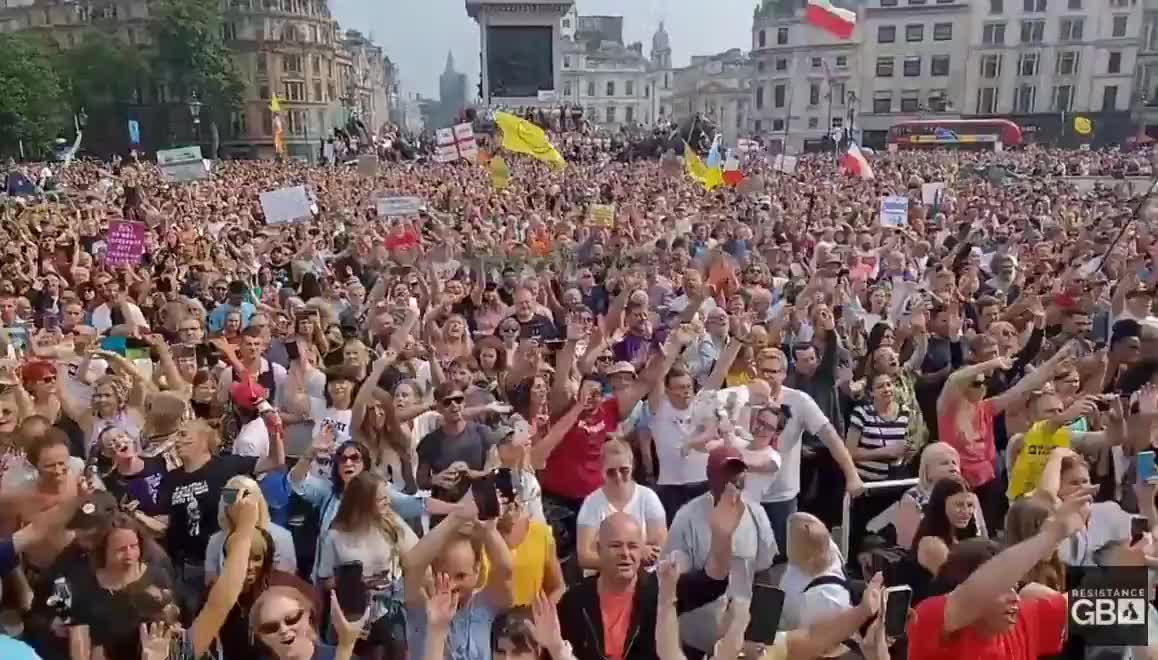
{"points": [[247, 394], [723, 462]]}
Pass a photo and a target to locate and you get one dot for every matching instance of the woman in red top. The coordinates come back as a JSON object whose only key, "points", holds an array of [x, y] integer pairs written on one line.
{"points": [[965, 420]]}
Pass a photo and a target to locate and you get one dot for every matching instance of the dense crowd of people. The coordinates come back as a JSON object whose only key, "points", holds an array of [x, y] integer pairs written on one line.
{"points": [[755, 421]]}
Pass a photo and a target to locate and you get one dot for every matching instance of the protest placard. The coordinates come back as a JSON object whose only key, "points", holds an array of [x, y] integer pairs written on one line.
{"points": [[285, 205], [394, 205], [182, 164], [603, 214], [894, 211], [785, 164], [124, 243], [932, 193]]}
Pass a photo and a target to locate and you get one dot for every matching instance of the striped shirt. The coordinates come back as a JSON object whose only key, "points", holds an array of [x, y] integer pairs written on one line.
{"points": [[877, 432]]}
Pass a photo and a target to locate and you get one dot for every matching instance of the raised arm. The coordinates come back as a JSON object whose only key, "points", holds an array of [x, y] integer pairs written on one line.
{"points": [[541, 449], [429, 547], [963, 378], [225, 591], [1031, 382]]}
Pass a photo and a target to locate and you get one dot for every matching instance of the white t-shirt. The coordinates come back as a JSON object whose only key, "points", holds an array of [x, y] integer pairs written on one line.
{"points": [[792, 583], [803, 415], [671, 429], [644, 505], [758, 483], [102, 317], [340, 419], [252, 439]]}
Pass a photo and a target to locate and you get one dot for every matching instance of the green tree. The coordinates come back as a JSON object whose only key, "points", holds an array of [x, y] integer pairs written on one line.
{"points": [[104, 73], [33, 103], [191, 56]]}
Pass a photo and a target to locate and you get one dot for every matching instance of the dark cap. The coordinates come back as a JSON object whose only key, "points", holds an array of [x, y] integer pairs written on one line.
{"points": [[724, 460], [96, 510], [447, 390]]}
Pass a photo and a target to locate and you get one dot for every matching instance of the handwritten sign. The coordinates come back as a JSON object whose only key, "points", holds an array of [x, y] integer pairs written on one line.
{"points": [[932, 193], [603, 214], [285, 205], [183, 164], [124, 243], [894, 211], [393, 206]]}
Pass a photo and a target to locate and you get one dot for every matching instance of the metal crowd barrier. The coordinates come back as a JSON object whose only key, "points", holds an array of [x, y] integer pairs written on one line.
{"points": [[846, 507]]}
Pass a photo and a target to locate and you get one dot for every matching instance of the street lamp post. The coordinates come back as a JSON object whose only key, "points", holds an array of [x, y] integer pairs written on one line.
{"points": [[195, 113]]}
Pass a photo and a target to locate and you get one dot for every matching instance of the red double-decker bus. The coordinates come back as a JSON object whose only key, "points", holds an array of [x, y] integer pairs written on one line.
{"points": [[966, 133]]}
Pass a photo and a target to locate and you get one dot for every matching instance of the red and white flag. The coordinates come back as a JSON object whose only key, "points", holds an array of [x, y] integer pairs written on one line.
{"points": [[855, 163], [836, 21]]}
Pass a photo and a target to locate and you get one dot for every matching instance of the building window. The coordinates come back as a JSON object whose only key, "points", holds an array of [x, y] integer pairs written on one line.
{"points": [[888, 3], [886, 34], [842, 61], [914, 33], [912, 66], [266, 122], [566, 23], [759, 125], [779, 94], [813, 122], [1024, 98], [1033, 5], [777, 124], [647, 91], [761, 39], [566, 61], [610, 114], [942, 32], [814, 94], [910, 101], [566, 88], [1062, 98], [1027, 64], [993, 34], [838, 122], [990, 66], [1071, 29], [295, 122], [629, 114], [884, 67], [1068, 62], [817, 63], [761, 66], [291, 63], [630, 89], [781, 64], [1075, 5], [1114, 64], [611, 88], [263, 92], [1032, 32], [782, 36], [1120, 23], [987, 100], [996, 6], [262, 65], [939, 65], [294, 91], [590, 88], [229, 31], [937, 101], [836, 91], [318, 92], [760, 97], [1109, 98], [883, 102]]}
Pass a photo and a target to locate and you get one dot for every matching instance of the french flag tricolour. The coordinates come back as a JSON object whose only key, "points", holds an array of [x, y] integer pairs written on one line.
{"points": [[855, 163], [834, 20]]}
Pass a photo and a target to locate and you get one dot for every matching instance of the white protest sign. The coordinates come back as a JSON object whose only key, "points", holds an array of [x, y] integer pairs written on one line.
{"points": [[285, 205], [785, 164], [446, 151], [464, 138], [932, 193], [392, 206], [894, 211], [183, 164]]}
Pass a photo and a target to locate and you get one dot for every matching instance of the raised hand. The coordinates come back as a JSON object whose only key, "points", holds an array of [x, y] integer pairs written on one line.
{"points": [[441, 602], [729, 511], [546, 629]]}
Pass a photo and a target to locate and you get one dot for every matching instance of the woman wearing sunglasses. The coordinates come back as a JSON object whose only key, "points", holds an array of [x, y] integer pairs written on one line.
{"points": [[283, 620], [619, 494]]}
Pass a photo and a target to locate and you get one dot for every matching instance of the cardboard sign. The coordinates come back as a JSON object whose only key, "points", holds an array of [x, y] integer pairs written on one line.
{"points": [[368, 165], [285, 205], [183, 164], [389, 207], [124, 243], [932, 193], [603, 214], [785, 164], [894, 211]]}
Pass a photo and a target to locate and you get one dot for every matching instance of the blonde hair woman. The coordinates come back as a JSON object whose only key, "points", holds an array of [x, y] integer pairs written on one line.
{"points": [[284, 557], [811, 554], [938, 461], [117, 400]]}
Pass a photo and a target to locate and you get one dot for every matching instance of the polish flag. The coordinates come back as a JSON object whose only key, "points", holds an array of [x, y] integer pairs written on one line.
{"points": [[855, 163], [834, 20]]}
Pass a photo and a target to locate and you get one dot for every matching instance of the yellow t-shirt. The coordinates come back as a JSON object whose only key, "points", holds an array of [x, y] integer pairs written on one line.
{"points": [[1036, 447], [529, 560]]}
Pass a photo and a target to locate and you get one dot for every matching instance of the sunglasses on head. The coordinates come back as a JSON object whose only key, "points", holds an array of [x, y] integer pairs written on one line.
{"points": [[270, 627]]}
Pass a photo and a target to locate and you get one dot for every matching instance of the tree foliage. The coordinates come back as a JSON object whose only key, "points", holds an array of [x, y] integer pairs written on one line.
{"points": [[103, 72], [33, 103], [190, 53]]}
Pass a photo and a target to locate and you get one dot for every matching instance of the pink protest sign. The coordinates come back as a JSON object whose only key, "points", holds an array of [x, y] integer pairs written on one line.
{"points": [[124, 243]]}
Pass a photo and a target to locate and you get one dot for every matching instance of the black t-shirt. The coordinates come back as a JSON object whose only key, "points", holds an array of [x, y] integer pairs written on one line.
{"points": [[144, 487], [283, 275], [439, 450], [111, 617], [539, 327], [191, 499]]}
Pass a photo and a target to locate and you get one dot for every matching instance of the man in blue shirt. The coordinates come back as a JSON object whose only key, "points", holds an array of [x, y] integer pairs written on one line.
{"points": [[236, 301]]}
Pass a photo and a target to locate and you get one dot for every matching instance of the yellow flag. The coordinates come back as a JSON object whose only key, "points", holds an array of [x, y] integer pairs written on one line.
{"points": [[500, 173], [709, 177], [521, 136], [275, 104], [1083, 126]]}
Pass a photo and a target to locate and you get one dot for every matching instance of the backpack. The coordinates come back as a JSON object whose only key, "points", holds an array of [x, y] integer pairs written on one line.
{"points": [[855, 589]]}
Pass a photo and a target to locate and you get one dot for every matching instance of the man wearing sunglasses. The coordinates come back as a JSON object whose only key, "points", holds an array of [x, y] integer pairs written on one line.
{"points": [[450, 456]]}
